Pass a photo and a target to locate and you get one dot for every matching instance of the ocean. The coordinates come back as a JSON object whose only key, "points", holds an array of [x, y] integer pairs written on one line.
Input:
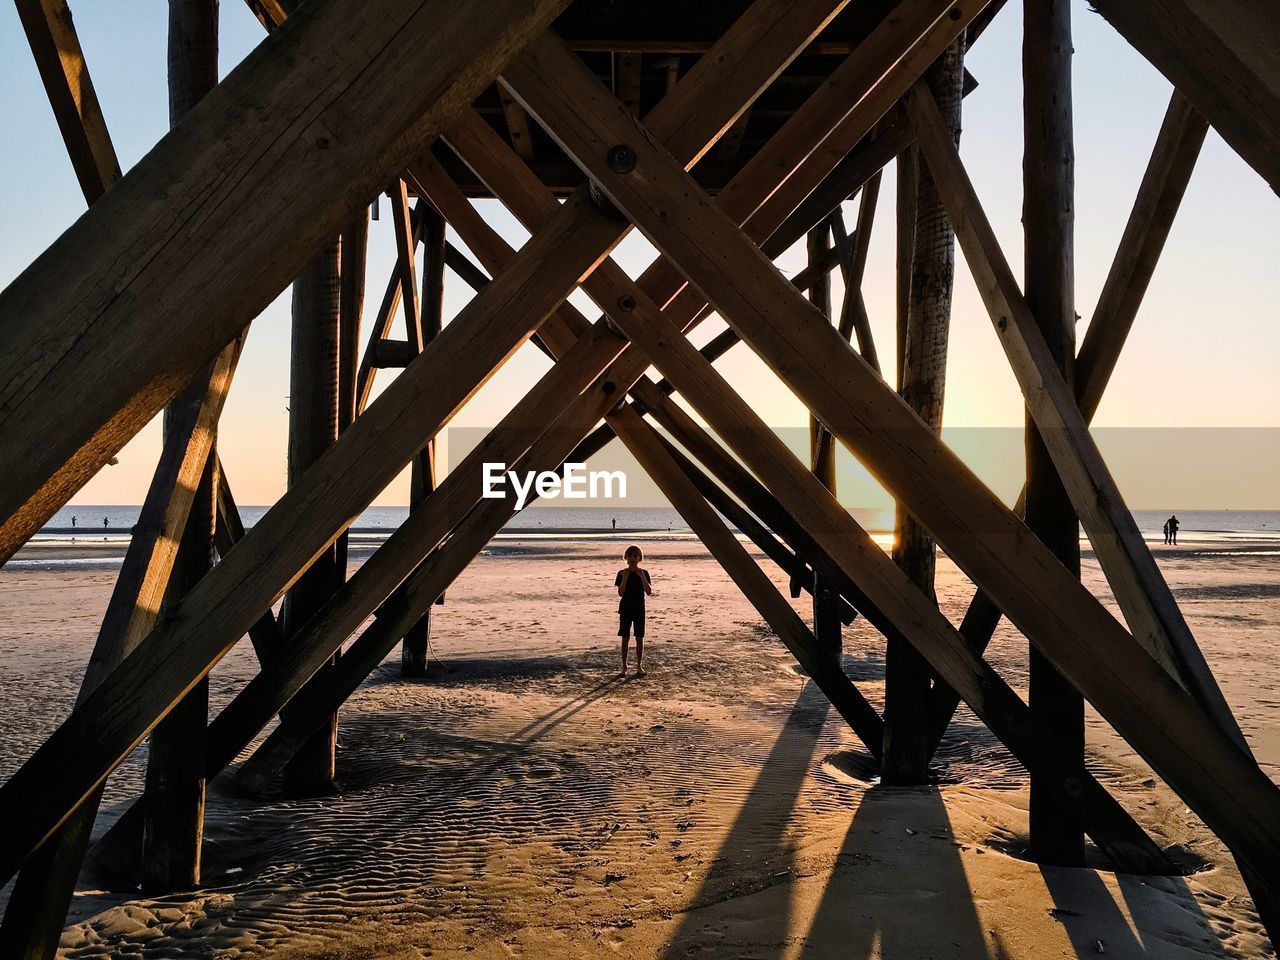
{"points": [[1197, 526]]}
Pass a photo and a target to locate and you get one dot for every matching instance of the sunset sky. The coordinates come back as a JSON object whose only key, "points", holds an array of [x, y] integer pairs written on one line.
{"points": [[1204, 352]]}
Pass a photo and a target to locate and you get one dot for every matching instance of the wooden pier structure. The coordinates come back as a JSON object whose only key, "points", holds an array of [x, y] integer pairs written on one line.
{"points": [[726, 132]]}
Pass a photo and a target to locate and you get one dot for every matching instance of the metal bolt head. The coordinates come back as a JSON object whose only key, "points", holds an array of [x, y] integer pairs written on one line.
{"points": [[621, 159], [626, 303]]}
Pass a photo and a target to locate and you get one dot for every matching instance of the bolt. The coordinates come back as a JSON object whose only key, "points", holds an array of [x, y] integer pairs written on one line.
{"points": [[1002, 323], [954, 13], [626, 303], [608, 387], [621, 159], [323, 143]]}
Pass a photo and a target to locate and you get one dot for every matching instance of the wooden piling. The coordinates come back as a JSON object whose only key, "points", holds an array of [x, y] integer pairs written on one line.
{"points": [[826, 594], [313, 427], [923, 337], [422, 480], [173, 823], [1048, 216]]}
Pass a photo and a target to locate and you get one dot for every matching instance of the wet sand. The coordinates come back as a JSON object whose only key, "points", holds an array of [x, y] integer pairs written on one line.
{"points": [[524, 802]]}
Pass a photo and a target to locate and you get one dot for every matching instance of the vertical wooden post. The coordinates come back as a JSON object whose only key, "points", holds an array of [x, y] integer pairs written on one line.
{"points": [[173, 823], [826, 596], [1048, 215], [173, 808], [922, 369], [313, 427], [352, 270], [413, 652]]}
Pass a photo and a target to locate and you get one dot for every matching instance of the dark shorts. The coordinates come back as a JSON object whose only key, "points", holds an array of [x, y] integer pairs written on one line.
{"points": [[629, 618]]}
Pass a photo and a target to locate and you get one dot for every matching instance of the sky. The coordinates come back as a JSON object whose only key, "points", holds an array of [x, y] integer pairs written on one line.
{"points": [[1202, 355]]}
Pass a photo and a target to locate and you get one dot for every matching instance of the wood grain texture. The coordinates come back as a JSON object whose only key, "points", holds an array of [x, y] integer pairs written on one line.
{"points": [[1144, 597], [311, 515], [804, 495], [1048, 220], [60, 60], [922, 379], [150, 284], [987, 541], [1224, 56], [1163, 184]]}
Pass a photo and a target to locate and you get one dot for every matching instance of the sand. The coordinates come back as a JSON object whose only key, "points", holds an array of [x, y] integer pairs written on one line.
{"points": [[523, 802]]}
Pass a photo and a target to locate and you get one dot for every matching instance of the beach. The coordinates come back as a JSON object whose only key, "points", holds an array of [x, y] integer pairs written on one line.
{"points": [[523, 801]]}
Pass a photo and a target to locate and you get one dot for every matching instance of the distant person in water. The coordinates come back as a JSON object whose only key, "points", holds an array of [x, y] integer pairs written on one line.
{"points": [[1173, 530], [1166, 532], [73, 523], [104, 523], [615, 523], [633, 583]]}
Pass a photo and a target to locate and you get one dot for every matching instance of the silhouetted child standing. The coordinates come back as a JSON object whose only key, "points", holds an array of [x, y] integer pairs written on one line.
{"points": [[633, 584]]}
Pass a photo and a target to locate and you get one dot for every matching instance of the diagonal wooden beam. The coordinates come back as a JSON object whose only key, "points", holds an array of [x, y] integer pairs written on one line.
{"points": [[407, 238], [172, 263], [517, 125], [1129, 566], [368, 364], [490, 159], [1144, 597], [38, 905], [179, 653], [473, 132], [42, 894], [1128, 687], [394, 561], [236, 726], [433, 575], [265, 635], [1164, 183], [853, 313], [792, 564], [1168, 172], [56, 48], [646, 445], [848, 544], [1224, 55], [417, 592], [858, 93], [353, 675], [325, 634]]}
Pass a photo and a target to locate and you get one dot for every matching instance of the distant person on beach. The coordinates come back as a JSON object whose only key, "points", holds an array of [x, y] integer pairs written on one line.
{"points": [[633, 583], [1166, 532], [1173, 530]]}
